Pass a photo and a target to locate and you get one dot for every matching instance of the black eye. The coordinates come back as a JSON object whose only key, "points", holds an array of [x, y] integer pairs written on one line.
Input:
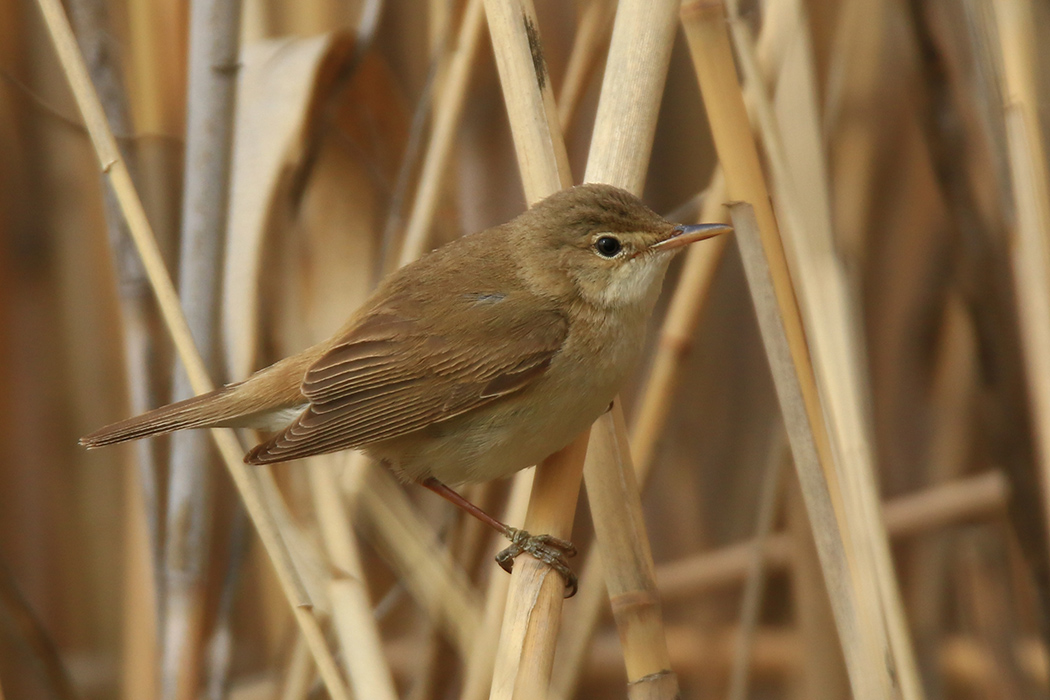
{"points": [[607, 246]]}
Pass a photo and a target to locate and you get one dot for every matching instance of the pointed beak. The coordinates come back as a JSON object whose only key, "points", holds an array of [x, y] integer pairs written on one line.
{"points": [[684, 235]]}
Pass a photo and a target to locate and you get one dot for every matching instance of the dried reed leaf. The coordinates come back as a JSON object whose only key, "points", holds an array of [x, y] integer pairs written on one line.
{"points": [[282, 85]]}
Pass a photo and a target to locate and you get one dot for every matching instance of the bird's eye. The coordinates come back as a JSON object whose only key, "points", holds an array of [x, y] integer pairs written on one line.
{"points": [[608, 246]]}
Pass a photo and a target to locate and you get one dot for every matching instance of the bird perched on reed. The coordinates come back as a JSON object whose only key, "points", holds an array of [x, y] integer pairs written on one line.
{"points": [[477, 360]]}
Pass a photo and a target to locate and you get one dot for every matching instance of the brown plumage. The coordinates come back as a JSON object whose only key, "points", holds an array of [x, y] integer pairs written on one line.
{"points": [[477, 360]]}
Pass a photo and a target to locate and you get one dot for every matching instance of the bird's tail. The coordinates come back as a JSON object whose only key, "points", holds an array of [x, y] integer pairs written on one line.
{"points": [[268, 395], [213, 409]]}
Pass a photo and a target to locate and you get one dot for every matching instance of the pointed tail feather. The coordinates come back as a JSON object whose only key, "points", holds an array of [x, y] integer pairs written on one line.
{"points": [[269, 399], [213, 409]]}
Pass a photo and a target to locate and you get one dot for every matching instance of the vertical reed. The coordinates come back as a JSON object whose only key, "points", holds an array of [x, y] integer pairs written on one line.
{"points": [[213, 56], [113, 165]]}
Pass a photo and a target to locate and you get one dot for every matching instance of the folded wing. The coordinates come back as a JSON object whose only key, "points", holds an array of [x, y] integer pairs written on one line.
{"points": [[400, 368]]}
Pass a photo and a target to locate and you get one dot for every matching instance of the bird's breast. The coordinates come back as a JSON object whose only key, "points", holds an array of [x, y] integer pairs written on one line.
{"points": [[522, 429]]}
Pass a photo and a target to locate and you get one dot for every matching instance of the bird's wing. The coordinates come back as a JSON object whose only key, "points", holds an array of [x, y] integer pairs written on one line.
{"points": [[399, 369]]}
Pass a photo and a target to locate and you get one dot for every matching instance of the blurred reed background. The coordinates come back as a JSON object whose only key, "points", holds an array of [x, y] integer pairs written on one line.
{"points": [[903, 146]]}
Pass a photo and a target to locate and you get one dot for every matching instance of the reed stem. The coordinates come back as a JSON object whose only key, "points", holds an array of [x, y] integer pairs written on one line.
{"points": [[211, 95], [113, 165]]}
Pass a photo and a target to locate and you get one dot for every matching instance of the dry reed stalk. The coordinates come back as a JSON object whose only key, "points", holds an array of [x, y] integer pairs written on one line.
{"points": [[538, 143], [98, 44], [479, 665], [437, 584], [856, 628], [778, 656], [157, 87], [246, 481], [954, 503], [448, 109], [622, 139], [964, 663], [141, 622], [299, 673], [982, 571], [635, 72], [851, 93], [675, 339], [526, 646], [20, 621], [525, 652], [619, 527], [355, 625], [677, 333], [211, 94], [827, 305], [986, 278], [754, 587], [704, 656], [948, 453], [434, 580], [219, 649], [367, 23], [253, 689], [595, 18], [1031, 191], [157, 103], [822, 672], [859, 610], [140, 642], [621, 144], [439, 23]]}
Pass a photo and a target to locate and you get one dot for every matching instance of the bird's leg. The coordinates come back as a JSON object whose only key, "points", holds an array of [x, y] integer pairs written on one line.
{"points": [[546, 548]]}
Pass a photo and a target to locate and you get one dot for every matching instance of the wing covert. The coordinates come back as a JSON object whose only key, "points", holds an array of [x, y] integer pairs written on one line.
{"points": [[399, 369]]}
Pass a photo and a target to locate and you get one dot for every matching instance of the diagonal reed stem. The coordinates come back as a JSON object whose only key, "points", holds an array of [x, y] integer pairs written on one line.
{"points": [[860, 637], [246, 481], [754, 587], [355, 625], [447, 112], [827, 307], [842, 526]]}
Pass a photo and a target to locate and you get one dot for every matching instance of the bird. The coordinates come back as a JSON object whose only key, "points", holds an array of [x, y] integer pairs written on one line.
{"points": [[479, 359]]}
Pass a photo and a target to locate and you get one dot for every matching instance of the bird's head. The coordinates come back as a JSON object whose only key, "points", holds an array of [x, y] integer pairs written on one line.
{"points": [[605, 245]]}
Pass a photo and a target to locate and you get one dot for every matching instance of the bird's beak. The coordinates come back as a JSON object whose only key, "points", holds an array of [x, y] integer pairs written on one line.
{"points": [[684, 235]]}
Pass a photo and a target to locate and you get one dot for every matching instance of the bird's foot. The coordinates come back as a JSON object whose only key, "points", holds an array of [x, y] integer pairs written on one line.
{"points": [[550, 550]]}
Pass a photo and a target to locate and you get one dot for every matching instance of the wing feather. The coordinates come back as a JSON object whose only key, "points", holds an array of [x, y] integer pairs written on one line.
{"points": [[400, 369]]}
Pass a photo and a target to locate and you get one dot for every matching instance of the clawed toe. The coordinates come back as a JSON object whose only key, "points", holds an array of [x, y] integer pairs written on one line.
{"points": [[548, 549]]}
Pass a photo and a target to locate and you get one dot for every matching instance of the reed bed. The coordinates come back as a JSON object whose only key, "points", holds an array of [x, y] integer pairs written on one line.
{"points": [[828, 478]]}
